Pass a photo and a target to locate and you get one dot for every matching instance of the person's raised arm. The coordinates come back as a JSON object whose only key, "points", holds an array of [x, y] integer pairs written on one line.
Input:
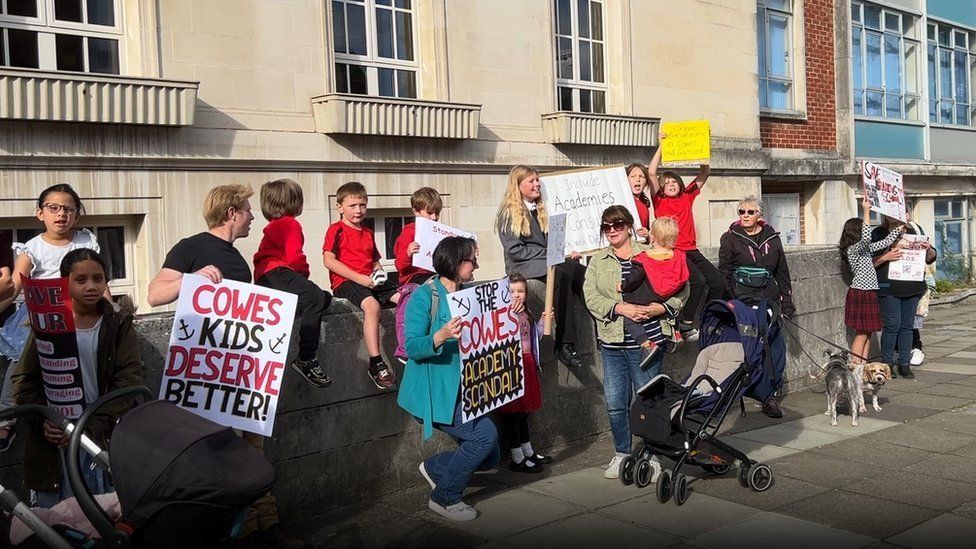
{"points": [[655, 164], [704, 170]]}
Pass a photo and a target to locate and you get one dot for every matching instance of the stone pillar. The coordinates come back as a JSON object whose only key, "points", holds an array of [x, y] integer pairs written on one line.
{"points": [[828, 206]]}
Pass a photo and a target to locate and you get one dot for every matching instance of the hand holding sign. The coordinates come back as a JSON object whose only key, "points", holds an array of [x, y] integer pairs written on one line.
{"points": [[429, 234], [884, 190]]}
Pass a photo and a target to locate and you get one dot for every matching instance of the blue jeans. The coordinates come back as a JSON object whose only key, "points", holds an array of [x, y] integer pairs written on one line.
{"points": [[622, 377], [98, 480], [478, 451], [898, 315]]}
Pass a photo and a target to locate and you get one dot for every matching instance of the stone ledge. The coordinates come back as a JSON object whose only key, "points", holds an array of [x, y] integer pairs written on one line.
{"points": [[341, 113]]}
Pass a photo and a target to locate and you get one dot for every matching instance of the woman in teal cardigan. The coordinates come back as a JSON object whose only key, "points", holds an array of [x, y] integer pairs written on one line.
{"points": [[431, 384]]}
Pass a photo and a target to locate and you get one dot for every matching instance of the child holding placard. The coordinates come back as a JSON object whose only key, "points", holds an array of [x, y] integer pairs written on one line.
{"points": [[109, 359], [671, 198]]}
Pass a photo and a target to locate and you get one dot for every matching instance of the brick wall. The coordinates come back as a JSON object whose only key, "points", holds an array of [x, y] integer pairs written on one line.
{"points": [[819, 130]]}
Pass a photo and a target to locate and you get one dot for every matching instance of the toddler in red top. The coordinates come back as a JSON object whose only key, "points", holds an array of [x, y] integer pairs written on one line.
{"points": [[350, 254], [280, 263], [655, 276]]}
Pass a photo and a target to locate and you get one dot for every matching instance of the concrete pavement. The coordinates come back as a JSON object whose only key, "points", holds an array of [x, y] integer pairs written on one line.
{"points": [[905, 477]]}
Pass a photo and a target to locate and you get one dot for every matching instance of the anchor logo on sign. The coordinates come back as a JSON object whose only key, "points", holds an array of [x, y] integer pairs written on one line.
{"points": [[277, 345], [463, 304], [187, 332]]}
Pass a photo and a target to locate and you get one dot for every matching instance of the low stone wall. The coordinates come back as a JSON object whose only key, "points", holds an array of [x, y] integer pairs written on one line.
{"points": [[351, 443]]}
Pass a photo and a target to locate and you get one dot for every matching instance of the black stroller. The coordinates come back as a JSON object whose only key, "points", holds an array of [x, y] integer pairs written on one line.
{"points": [[181, 480], [681, 422]]}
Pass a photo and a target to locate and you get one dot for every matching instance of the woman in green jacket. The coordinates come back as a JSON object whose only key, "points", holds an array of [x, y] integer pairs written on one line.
{"points": [[431, 383], [620, 354]]}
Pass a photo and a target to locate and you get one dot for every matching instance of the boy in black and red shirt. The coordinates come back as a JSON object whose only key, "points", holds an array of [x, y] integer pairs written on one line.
{"points": [[350, 254]]}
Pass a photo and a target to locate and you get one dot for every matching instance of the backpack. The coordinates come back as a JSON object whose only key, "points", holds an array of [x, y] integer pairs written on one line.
{"points": [[406, 292]]}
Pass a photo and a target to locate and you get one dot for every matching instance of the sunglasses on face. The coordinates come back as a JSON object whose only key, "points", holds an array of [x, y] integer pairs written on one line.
{"points": [[748, 212], [58, 208], [615, 226]]}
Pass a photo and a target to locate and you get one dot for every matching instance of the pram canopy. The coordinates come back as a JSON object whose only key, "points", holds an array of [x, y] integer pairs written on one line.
{"points": [[163, 455]]}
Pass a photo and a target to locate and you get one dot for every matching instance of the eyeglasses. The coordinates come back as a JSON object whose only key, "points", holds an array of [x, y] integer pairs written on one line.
{"points": [[750, 212], [473, 261], [53, 208], [615, 226]]}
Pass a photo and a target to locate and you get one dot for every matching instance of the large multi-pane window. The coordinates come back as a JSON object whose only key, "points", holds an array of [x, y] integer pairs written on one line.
{"points": [[950, 77], [774, 22], [61, 35], [951, 237], [374, 47], [885, 50], [581, 83]]}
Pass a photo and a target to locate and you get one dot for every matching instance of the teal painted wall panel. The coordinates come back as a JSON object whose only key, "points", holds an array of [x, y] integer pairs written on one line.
{"points": [[960, 11], [883, 140]]}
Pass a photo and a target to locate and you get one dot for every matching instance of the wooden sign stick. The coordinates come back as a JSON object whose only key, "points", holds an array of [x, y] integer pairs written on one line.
{"points": [[550, 297]]}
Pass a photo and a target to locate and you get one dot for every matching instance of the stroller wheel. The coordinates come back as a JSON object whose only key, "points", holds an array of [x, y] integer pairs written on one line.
{"points": [[664, 487], [760, 477], [680, 489], [717, 469], [744, 474], [642, 473], [627, 470]]}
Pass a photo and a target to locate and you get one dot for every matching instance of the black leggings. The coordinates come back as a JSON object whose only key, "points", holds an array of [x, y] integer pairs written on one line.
{"points": [[516, 428], [568, 299], [706, 281]]}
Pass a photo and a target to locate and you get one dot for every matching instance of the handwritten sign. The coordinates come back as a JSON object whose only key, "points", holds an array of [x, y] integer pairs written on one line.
{"points": [[556, 240], [583, 195], [686, 141], [911, 265], [884, 190], [227, 352], [53, 322], [491, 348], [429, 235]]}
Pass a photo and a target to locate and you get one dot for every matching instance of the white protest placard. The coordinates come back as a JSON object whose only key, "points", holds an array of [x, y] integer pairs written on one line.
{"points": [[556, 240], [911, 266], [227, 352], [491, 348], [583, 195], [429, 234], [884, 190]]}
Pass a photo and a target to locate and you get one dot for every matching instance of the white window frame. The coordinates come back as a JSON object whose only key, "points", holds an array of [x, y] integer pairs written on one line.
{"points": [[935, 78], [763, 12], [576, 83], [907, 35], [372, 62], [379, 217], [47, 27], [794, 200]]}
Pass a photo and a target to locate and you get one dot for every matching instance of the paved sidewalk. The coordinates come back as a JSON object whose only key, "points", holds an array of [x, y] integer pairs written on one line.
{"points": [[905, 477]]}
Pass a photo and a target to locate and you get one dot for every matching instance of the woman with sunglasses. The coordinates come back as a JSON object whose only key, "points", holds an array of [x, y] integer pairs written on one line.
{"points": [[752, 259], [621, 355]]}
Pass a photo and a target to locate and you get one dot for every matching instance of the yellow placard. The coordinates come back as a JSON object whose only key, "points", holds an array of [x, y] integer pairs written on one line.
{"points": [[686, 141]]}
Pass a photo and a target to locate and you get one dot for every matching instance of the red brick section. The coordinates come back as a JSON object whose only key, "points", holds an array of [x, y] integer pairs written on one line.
{"points": [[819, 130]]}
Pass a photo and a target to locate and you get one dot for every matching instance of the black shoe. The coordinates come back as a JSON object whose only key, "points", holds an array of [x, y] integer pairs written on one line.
{"points": [[540, 458], [905, 372], [525, 466], [569, 356], [312, 372], [771, 408]]}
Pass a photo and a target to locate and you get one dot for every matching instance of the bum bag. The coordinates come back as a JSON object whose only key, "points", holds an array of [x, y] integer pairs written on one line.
{"points": [[752, 277]]}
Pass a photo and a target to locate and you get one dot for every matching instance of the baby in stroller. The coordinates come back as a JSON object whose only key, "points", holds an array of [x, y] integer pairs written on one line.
{"points": [[681, 421]]}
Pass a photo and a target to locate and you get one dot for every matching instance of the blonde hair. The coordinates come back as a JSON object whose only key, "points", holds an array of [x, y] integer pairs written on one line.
{"points": [[426, 199], [665, 231], [281, 197], [354, 189], [513, 216], [222, 198]]}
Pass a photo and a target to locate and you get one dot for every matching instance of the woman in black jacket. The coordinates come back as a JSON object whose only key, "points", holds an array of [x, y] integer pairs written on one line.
{"points": [[752, 260]]}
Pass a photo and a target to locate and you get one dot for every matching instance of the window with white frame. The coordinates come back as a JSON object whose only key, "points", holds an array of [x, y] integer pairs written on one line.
{"points": [[581, 83], [387, 226], [885, 51], [61, 35], [951, 237], [374, 47], [950, 77], [774, 23]]}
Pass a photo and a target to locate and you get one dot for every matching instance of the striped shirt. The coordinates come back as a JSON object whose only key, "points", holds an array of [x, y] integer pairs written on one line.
{"points": [[652, 327]]}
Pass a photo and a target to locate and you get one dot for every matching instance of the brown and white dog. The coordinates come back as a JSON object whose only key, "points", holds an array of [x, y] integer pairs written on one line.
{"points": [[873, 376]]}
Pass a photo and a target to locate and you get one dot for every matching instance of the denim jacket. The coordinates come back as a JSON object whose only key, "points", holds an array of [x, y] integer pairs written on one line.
{"points": [[601, 296]]}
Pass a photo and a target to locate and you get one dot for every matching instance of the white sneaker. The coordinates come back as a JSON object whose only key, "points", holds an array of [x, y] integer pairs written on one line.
{"points": [[918, 357], [655, 467], [690, 336], [613, 470], [423, 473], [460, 511]]}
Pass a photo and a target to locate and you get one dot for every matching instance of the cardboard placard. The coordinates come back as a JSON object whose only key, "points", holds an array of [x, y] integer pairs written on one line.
{"points": [[227, 352], [556, 240], [884, 190], [583, 195], [911, 266], [491, 348], [429, 234], [686, 141], [53, 322]]}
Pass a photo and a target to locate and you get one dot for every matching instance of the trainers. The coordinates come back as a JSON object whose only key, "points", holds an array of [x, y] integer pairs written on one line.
{"points": [[690, 335], [918, 357], [312, 371], [460, 511], [613, 470], [771, 408], [382, 376], [426, 475], [569, 356], [648, 353]]}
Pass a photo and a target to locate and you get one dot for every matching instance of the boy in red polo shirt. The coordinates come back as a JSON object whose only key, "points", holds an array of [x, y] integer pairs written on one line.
{"points": [[280, 263], [425, 202], [350, 255]]}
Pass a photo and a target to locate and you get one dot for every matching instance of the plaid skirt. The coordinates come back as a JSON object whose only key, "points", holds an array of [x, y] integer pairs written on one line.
{"points": [[862, 311]]}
